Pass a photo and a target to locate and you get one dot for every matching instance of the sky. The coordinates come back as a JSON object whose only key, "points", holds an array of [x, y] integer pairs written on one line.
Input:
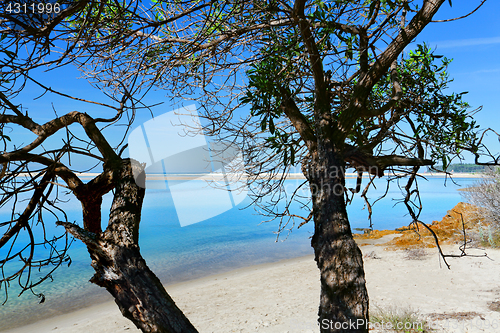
{"points": [[473, 43]]}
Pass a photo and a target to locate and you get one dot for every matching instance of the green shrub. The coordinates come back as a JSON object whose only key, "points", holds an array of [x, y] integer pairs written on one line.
{"points": [[489, 237]]}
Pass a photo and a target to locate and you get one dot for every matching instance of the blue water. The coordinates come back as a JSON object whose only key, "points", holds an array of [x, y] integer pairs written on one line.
{"points": [[236, 238]]}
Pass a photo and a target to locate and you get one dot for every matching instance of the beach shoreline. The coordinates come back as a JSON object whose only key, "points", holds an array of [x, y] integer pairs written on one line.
{"points": [[283, 296], [59, 320], [102, 297]]}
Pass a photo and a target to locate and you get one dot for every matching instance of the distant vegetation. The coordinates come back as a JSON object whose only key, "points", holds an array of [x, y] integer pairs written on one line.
{"points": [[485, 194], [466, 167]]}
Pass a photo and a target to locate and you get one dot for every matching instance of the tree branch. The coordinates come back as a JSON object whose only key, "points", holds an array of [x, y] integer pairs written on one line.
{"points": [[396, 96], [22, 220], [357, 108], [376, 165], [46, 130], [461, 17], [87, 237], [315, 60], [298, 119], [74, 183]]}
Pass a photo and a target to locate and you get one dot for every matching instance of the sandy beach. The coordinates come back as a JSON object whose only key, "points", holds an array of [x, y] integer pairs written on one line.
{"points": [[283, 296]]}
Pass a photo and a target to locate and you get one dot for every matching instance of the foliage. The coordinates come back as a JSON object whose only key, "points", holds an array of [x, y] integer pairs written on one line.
{"points": [[464, 167], [488, 236], [440, 122], [485, 193]]}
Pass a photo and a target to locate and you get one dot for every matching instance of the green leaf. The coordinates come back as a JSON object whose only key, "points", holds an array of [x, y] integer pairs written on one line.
{"points": [[263, 124], [271, 125], [372, 8], [444, 161]]}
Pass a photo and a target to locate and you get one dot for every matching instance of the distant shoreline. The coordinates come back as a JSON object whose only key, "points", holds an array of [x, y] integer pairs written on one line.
{"points": [[351, 175], [220, 176]]}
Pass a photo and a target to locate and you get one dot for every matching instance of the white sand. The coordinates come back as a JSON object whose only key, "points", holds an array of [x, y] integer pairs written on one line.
{"points": [[283, 296]]}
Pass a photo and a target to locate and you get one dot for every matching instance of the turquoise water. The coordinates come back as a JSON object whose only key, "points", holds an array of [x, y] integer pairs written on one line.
{"points": [[236, 238]]}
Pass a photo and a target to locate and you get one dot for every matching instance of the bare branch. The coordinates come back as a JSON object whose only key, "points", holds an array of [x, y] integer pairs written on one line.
{"points": [[461, 17], [298, 119], [322, 99], [22, 220]]}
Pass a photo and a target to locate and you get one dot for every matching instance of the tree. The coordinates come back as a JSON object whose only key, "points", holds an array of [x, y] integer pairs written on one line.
{"points": [[32, 171], [329, 87], [347, 102]]}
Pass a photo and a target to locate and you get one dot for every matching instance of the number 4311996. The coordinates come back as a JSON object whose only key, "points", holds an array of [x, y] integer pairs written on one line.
{"points": [[32, 8]]}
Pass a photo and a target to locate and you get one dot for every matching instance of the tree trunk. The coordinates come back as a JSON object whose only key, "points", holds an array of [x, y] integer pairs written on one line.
{"points": [[344, 299], [137, 291], [120, 267]]}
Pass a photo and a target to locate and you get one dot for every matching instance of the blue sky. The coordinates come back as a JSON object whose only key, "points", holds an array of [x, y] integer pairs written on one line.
{"points": [[473, 43]]}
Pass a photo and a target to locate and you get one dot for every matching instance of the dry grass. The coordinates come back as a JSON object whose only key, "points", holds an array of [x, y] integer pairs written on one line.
{"points": [[372, 255], [374, 234], [403, 320], [494, 306], [454, 315], [415, 253]]}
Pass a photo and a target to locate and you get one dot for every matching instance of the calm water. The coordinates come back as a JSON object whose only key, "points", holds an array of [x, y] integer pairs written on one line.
{"points": [[236, 238]]}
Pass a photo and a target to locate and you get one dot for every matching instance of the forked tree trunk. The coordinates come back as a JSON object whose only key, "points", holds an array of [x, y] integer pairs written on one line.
{"points": [[137, 291], [121, 269], [344, 298]]}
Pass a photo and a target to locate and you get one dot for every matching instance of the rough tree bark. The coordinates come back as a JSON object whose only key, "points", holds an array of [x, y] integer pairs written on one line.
{"points": [[120, 267], [344, 298]]}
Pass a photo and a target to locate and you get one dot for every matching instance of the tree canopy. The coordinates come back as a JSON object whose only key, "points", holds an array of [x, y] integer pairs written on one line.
{"points": [[327, 85]]}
